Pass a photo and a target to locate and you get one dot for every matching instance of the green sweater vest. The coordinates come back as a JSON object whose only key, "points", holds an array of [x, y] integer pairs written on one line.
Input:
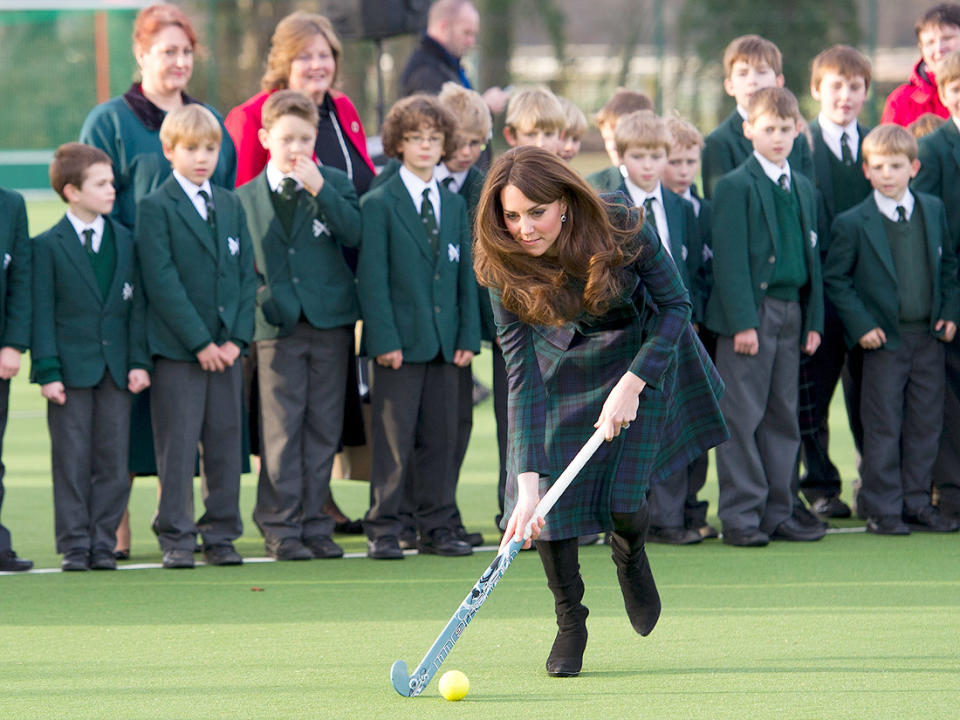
{"points": [[909, 249], [790, 270], [104, 263], [850, 186]]}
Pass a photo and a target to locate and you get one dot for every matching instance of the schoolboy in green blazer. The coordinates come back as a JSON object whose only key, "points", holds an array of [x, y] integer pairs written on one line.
{"points": [[892, 274], [198, 275], [87, 349], [766, 304], [300, 216], [750, 63], [419, 301], [14, 328], [939, 175]]}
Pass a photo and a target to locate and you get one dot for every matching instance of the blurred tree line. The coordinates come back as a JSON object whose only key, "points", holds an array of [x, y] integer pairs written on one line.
{"points": [[50, 83]]}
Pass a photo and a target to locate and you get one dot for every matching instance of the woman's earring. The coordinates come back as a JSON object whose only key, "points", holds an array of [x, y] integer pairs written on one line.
{"points": [[563, 217]]}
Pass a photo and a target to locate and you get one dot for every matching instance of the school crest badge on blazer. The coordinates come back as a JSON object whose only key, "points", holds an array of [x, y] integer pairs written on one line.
{"points": [[127, 292], [453, 253], [233, 245], [319, 228]]}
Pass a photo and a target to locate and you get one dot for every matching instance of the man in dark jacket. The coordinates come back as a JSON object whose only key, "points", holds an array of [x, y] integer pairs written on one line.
{"points": [[452, 27]]}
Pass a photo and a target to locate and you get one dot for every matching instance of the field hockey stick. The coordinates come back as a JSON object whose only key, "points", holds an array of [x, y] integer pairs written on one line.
{"points": [[413, 685]]}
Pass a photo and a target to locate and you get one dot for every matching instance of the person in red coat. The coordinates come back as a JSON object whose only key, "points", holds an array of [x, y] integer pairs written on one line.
{"points": [[938, 33], [305, 56]]}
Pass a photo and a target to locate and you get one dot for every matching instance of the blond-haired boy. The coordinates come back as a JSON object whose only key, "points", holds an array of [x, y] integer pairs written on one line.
{"points": [[534, 117], [198, 277]]}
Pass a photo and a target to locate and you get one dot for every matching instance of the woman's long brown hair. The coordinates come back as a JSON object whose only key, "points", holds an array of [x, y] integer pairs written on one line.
{"points": [[587, 271]]}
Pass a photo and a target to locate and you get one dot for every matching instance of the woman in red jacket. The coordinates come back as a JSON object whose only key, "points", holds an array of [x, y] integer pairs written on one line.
{"points": [[305, 55]]}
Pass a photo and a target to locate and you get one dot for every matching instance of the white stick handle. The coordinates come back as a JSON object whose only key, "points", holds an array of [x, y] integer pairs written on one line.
{"points": [[566, 477]]}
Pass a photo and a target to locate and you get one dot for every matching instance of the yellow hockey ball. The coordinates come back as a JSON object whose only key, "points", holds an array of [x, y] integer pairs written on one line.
{"points": [[454, 685]]}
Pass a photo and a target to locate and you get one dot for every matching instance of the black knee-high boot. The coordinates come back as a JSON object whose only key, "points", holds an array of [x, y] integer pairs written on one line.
{"points": [[559, 558], [639, 590]]}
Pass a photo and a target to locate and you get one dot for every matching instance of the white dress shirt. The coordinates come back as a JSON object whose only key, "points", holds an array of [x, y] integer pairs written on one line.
{"points": [[97, 227]]}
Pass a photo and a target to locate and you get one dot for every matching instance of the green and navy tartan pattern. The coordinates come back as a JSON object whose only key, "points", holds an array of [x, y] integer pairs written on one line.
{"points": [[559, 377]]}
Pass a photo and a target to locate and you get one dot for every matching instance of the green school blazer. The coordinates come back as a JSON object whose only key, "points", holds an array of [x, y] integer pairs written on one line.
{"points": [[14, 272], [88, 333], [939, 175], [198, 291], [745, 235], [686, 246], [860, 278], [607, 180], [304, 272], [726, 148], [412, 300]]}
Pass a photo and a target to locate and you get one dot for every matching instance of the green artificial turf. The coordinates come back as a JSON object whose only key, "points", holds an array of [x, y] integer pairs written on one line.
{"points": [[854, 626]]}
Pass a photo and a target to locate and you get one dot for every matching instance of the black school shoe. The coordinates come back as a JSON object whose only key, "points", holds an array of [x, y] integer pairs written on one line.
{"points": [[323, 547], [442, 541], [9, 562], [748, 537], [930, 519], [102, 559], [673, 535], [830, 507], [75, 561], [222, 554], [384, 548], [792, 530], [887, 525]]}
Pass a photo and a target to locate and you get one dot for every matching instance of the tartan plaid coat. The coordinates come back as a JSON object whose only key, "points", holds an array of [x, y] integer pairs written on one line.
{"points": [[559, 378]]}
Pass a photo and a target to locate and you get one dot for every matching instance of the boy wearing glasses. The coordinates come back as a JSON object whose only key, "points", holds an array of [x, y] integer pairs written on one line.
{"points": [[418, 297]]}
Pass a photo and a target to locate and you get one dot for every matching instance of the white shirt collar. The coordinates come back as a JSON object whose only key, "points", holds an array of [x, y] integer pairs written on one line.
{"points": [[193, 192], [442, 172], [956, 121], [742, 112], [191, 188], [832, 132], [772, 171], [638, 195], [888, 206], [79, 226], [415, 186], [274, 177]]}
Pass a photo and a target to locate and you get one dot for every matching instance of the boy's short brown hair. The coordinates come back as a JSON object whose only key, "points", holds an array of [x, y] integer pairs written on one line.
{"points": [[938, 16], [641, 129], [622, 101], [190, 123], [575, 122], [776, 101], [752, 49], [948, 69], [684, 134], [70, 165], [925, 124], [889, 139], [408, 115], [468, 109], [534, 108], [288, 102], [843, 60]]}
